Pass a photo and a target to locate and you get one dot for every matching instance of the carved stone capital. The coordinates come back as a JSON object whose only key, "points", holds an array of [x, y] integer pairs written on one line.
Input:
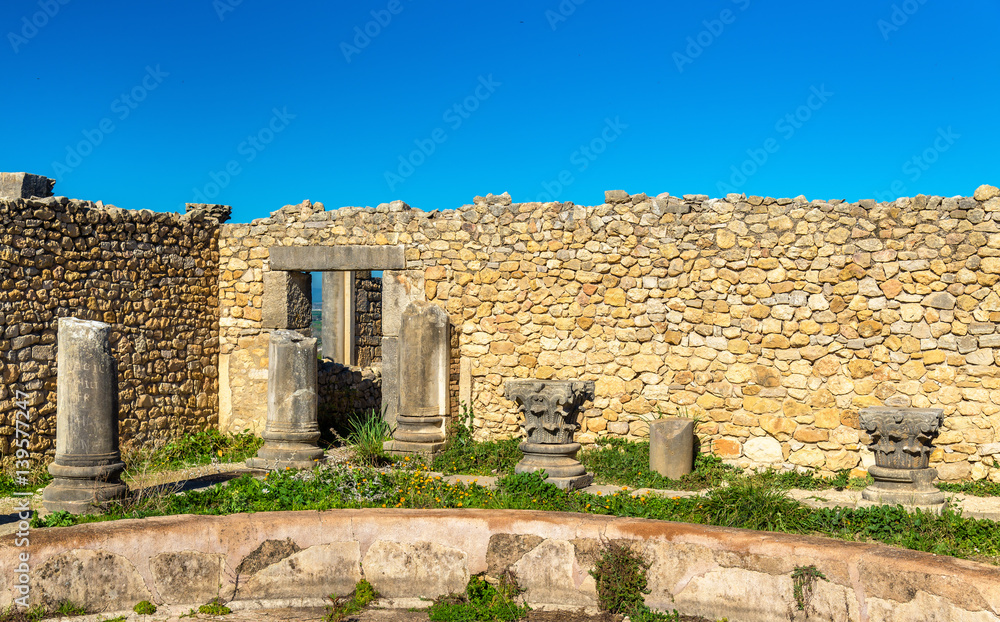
{"points": [[549, 407], [901, 437]]}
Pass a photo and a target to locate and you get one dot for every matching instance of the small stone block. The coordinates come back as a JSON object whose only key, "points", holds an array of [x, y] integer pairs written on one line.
{"points": [[671, 446], [287, 300]]}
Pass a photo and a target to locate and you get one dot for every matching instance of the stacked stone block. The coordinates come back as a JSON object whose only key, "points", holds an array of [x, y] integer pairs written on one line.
{"points": [[773, 320]]}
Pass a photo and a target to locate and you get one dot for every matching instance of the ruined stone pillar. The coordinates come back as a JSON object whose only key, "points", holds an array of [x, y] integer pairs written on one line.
{"points": [[87, 465], [423, 380], [550, 409], [339, 330], [901, 441], [291, 432]]}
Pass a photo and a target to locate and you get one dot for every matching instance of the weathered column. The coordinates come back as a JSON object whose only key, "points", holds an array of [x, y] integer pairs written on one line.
{"points": [[339, 331], [901, 441], [291, 432], [550, 409], [87, 465], [399, 289], [423, 380], [671, 446]]}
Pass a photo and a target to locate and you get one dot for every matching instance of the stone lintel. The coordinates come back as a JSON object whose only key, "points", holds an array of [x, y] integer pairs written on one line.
{"points": [[322, 258]]}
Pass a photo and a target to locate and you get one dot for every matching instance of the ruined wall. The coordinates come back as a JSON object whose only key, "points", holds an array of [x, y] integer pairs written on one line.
{"points": [[772, 320], [368, 307], [152, 276]]}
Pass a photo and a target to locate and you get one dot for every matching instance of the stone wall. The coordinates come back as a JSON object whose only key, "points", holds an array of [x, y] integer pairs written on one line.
{"points": [[368, 306], [772, 320], [152, 276]]}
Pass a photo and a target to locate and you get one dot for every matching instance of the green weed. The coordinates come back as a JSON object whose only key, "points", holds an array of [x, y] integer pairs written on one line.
{"points": [[194, 449], [67, 608], [13, 614], [360, 598], [481, 601], [215, 607], [626, 463], [803, 580], [144, 608]]}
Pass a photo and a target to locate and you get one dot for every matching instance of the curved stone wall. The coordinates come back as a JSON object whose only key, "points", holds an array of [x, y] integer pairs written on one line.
{"points": [[282, 557]]}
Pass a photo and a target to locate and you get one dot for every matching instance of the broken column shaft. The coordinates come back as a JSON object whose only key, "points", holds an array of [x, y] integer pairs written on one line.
{"points": [[291, 432], [87, 465], [423, 380]]}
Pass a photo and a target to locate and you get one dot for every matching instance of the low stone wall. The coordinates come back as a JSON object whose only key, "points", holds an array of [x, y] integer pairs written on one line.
{"points": [[302, 557]]}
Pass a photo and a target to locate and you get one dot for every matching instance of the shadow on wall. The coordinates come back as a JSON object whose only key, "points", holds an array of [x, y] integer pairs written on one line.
{"points": [[345, 391]]}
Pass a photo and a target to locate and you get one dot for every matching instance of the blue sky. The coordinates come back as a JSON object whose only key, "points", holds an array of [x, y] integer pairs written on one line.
{"points": [[258, 104]]}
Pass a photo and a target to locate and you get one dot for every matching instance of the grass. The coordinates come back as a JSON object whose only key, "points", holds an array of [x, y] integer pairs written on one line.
{"points": [[748, 504], [626, 463], [215, 607], [736, 499], [980, 488], [195, 449], [368, 433], [466, 455], [13, 614], [37, 477]]}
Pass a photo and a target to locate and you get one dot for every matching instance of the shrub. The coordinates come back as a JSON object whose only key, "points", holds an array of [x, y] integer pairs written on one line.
{"points": [[360, 598], [481, 601], [144, 608], [620, 573]]}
